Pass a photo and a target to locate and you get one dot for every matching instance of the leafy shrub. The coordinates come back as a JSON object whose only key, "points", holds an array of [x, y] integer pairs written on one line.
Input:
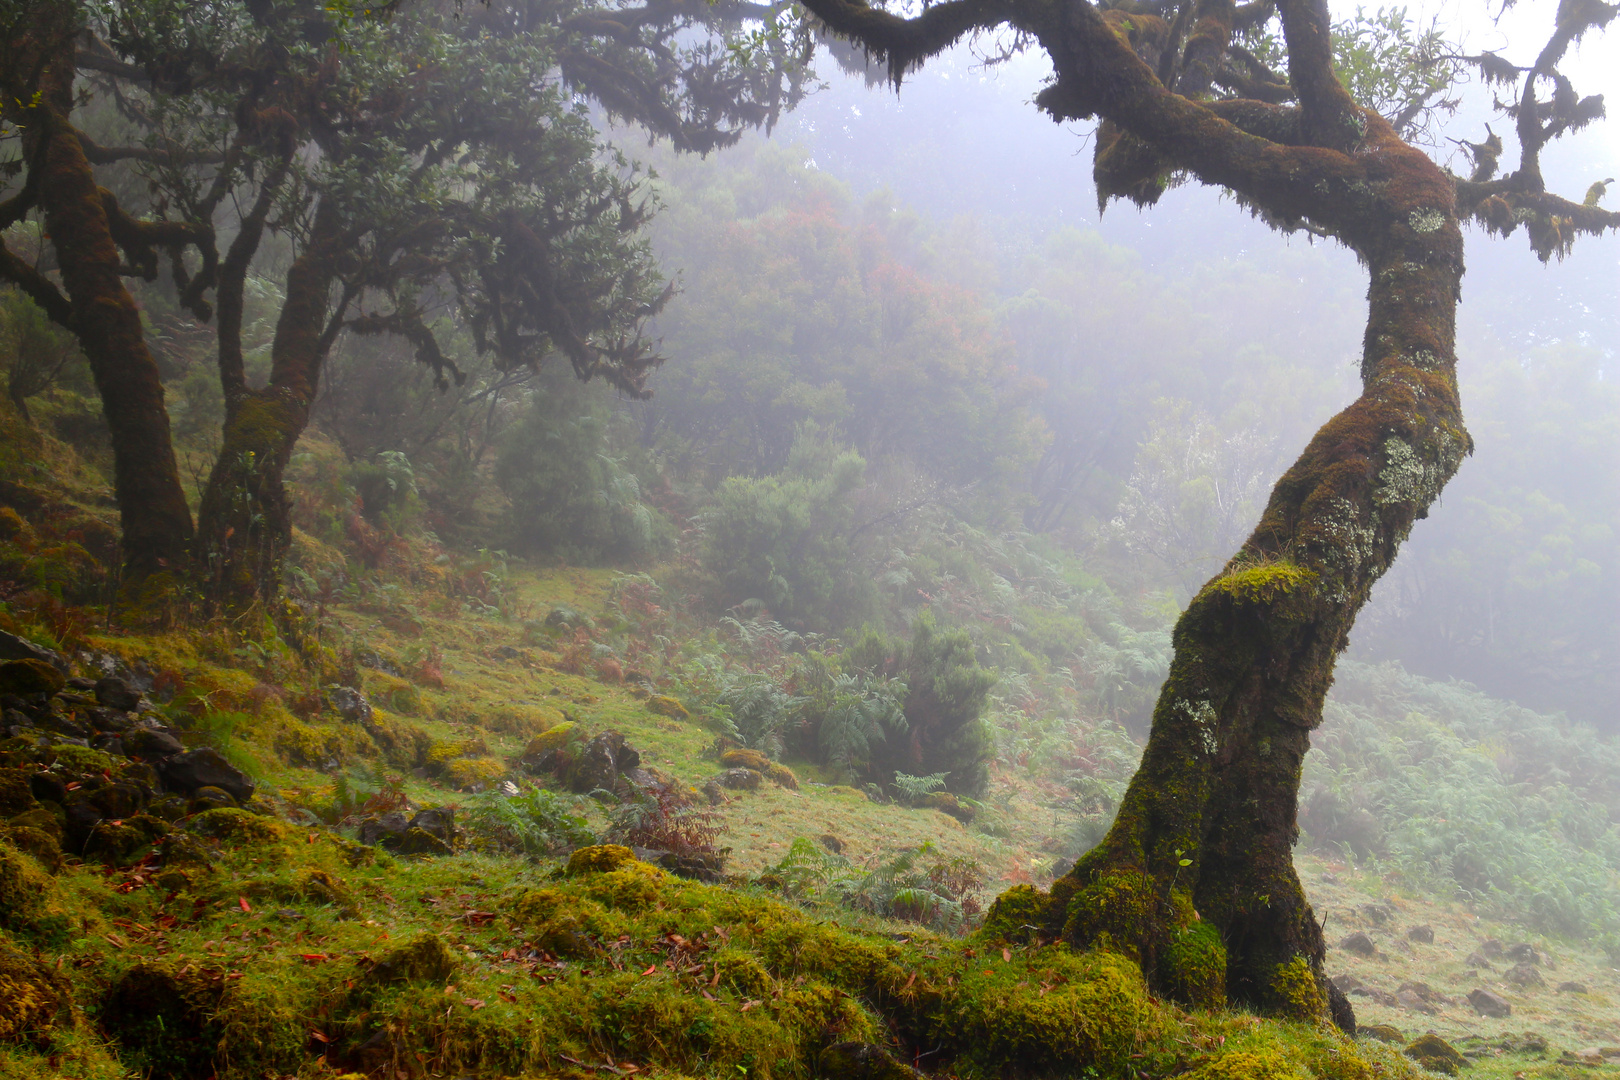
{"points": [[946, 695], [665, 817], [781, 540], [859, 711], [754, 710], [572, 495], [914, 884], [534, 822]]}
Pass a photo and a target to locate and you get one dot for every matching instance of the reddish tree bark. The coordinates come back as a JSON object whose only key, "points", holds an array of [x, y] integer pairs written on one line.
{"points": [[157, 528]]}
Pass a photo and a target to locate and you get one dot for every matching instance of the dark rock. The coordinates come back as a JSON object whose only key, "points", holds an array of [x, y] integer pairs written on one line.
{"points": [[65, 724], [1524, 975], [143, 776], [113, 720], [1360, 944], [205, 767], [1522, 954], [1383, 1033], [209, 798], [42, 845], [1340, 1011], [145, 742], [377, 662], [739, 779], [80, 683], [1348, 983], [599, 762], [1476, 960], [708, 868], [1378, 914], [1436, 1055], [1491, 949], [114, 693], [13, 647], [1423, 934], [1572, 988], [168, 807], [421, 842], [439, 822], [109, 744], [1413, 1002], [16, 794], [862, 1061], [118, 842], [47, 787], [90, 806], [25, 677], [1488, 1004], [387, 830], [349, 703], [714, 792], [831, 843], [506, 652]]}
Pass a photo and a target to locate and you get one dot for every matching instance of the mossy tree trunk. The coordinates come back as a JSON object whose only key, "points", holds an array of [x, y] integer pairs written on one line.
{"points": [[1196, 880], [245, 521], [98, 308]]}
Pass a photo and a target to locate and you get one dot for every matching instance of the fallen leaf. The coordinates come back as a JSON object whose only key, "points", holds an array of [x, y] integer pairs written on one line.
{"points": [[1006, 955], [318, 1037], [246, 907], [115, 939], [473, 1003], [652, 969]]}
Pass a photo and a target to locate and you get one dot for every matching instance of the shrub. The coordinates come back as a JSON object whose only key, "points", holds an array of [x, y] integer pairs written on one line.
{"points": [[946, 695], [534, 822]]}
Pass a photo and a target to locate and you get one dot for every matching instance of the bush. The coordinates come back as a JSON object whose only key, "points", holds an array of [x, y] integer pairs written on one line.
{"points": [[782, 541], [534, 822], [946, 695], [572, 495]]}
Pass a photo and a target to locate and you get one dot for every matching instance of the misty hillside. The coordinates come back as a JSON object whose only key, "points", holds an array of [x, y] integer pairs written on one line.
{"points": [[540, 544]]}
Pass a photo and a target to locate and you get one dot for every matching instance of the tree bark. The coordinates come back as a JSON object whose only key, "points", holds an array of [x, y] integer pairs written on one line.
{"points": [[1255, 649], [156, 521], [245, 521]]}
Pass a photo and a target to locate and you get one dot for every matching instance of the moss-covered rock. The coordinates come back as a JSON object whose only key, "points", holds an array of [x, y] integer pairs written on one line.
{"points": [[599, 858], [741, 757], [782, 776], [163, 1016], [425, 958], [1436, 1055], [554, 738], [240, 825], [1248, 1065], [30, 677], [474, 772], [1111, 911], [664, 705], [15, 795], [34, 999], [1297, 991], [32, 906]]}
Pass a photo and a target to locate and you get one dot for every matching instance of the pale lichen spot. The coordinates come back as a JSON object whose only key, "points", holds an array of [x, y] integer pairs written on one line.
{"points": [[1426, 220]]}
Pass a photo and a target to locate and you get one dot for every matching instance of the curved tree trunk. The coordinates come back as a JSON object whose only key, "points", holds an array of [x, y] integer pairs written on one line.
{"points": [[245, 522], [156, 521], [1205, 831]]}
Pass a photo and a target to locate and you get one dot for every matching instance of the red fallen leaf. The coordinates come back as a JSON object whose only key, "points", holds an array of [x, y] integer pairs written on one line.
{"points": [[749, 1005], [910, 981], [479, 918], [652, 969], [115, 939], [247, 907], [511, 998], [473, 1003], [312, 838], [314, 957], [74, 786]]}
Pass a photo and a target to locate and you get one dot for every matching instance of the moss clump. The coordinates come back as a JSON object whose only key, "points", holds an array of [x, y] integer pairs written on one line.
{"points": [[1112, 911], [741, 757], [43, 845], [1015, 915], [1435, 1054], [1247, 1065], [782, 776], [1192, 969], [164, 1018], [1263, 584], [1383, 1033], [33, 998], [29, 677], [599, 858], [31, 904], [1296, 991], [475, 772], [567, 924], [120, 842], [403, 745], [664, 705], [228, 823], [15, 797], [425, 958], [552, 739]]}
